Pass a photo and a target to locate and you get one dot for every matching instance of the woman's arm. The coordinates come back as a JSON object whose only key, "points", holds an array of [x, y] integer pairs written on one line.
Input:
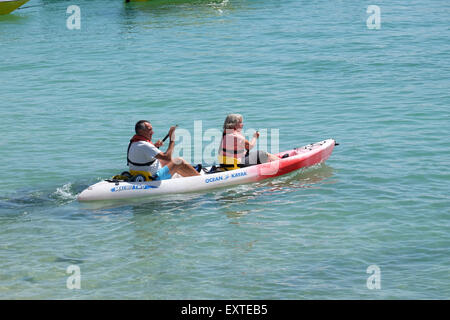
{"points": [[251, 144]]}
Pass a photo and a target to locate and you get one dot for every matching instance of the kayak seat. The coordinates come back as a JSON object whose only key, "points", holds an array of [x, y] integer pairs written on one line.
{"points": [[213, 169], [145, 174], [124, 176]]}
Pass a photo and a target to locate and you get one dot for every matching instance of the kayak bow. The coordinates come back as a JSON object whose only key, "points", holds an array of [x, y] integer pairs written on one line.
{"points": [[8, 6]]}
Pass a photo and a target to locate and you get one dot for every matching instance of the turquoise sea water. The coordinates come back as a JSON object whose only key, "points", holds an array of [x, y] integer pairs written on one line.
{"points": [[69, 100]]}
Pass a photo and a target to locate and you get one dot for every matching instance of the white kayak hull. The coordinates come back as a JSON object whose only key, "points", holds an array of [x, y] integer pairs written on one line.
{"points": [[298, 158]]}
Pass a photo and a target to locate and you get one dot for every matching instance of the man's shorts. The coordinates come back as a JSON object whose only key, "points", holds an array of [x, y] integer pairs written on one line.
{"points": [[163, 173]]}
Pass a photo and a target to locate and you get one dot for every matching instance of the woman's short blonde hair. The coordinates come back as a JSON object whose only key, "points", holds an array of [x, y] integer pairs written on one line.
{"points": [[232, 121]]}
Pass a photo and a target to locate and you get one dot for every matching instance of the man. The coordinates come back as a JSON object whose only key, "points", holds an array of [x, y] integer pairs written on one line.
{"points": [[146, 159]]}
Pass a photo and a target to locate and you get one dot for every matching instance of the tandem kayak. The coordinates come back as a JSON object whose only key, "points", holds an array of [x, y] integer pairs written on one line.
{"points": [[8, 6], [297, 158]]}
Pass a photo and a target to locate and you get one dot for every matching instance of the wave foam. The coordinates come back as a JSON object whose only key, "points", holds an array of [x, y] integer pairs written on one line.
{"points": [[65, 192]]}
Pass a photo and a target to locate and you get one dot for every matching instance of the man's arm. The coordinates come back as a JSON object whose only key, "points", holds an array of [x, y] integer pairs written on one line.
{"points": [[166, 156]]}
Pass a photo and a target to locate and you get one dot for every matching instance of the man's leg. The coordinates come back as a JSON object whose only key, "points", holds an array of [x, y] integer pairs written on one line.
{"points": [[180, 166]]}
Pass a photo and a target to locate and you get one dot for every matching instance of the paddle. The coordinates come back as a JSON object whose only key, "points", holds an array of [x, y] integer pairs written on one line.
{"points": [[167, 135]]}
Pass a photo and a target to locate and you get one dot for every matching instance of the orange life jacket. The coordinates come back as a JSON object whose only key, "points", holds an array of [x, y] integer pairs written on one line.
{"points": [[231, 154]]}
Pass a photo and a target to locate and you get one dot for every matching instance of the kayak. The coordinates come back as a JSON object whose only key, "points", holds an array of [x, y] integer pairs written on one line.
{"points": [[8, 6], [292, 160]]}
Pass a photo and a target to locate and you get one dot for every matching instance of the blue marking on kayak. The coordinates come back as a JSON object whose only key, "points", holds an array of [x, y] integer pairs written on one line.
{"points": [[215, 179], [238, 174], [223, 178], [132, 187]]}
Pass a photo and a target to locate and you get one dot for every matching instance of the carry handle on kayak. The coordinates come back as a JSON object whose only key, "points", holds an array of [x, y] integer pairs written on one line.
{"points": [[167, 135]]}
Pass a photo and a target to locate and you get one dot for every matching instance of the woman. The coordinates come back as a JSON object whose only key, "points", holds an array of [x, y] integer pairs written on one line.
{"points": [[235, 149]]}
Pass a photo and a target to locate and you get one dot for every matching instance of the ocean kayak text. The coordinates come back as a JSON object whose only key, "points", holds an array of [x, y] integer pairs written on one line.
{"points": [[223, 178]]}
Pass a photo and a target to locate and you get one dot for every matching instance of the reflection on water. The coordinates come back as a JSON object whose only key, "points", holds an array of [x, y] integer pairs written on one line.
{"points": [[7, 23], [13, 18], [166, 14], [309, 178], [305, 178], [160, 4], [231, 199], [166, 203]]}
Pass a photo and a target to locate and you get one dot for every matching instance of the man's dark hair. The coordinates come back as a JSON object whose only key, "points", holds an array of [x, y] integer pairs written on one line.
{"points": [[140, 125]]}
